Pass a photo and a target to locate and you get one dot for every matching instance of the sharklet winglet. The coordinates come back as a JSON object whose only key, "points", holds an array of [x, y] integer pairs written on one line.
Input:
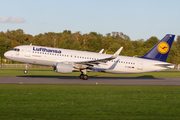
{"points": [[117, 52]]}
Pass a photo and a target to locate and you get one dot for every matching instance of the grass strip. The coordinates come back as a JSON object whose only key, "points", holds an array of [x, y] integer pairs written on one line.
{"points": [[53, 102]]}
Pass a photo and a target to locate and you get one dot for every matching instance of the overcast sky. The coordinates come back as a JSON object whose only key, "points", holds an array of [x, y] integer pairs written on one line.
{"points": [[139, 19]]}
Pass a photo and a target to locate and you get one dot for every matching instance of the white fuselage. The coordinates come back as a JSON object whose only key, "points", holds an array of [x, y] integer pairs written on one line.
{"points": [[50, 56]]}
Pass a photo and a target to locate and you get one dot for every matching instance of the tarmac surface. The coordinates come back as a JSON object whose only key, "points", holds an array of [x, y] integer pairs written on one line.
{"points": [[91, 81]]}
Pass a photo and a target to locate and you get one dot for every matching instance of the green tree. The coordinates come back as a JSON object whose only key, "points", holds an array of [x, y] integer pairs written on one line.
{"points": [[151, 42], [173, 56], [17, 36], [178, 40], [2, 48], [94, 42]]}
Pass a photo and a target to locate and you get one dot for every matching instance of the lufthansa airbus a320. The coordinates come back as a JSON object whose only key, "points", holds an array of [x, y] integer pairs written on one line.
{"points": [[68, 61]]}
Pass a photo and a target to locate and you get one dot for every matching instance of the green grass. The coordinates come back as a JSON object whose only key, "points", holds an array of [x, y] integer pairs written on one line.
{"points": [[19, 72], [55, 102]]}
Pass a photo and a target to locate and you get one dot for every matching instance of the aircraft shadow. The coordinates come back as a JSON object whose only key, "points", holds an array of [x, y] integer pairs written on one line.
{"points": [[90, 77]]}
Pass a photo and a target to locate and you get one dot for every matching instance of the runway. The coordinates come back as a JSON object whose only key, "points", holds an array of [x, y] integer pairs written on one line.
{"points": [[91, 81]]}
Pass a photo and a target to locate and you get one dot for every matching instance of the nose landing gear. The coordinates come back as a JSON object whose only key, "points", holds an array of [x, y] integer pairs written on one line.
{"points": [[26, 71]]}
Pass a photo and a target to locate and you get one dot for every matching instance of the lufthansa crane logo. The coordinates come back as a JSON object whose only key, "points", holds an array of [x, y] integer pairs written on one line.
{"points": [[163, 47]]}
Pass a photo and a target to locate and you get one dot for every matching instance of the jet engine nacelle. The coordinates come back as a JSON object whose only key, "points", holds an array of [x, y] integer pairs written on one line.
{"points": [[63, 68]]}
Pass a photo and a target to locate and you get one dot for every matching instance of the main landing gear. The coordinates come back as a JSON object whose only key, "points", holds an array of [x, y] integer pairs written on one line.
{"points": [[83, 75], [26, 71]]}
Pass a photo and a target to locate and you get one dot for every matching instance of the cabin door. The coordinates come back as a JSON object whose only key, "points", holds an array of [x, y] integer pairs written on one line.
{"points": [[140, 65], [28, 51]]}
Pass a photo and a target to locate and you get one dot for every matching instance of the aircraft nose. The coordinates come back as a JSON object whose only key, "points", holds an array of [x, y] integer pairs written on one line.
{"points": [[7, 54]]}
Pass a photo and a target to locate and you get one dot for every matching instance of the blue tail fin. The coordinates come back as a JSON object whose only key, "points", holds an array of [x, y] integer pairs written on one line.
{"points": [[161, 50]]}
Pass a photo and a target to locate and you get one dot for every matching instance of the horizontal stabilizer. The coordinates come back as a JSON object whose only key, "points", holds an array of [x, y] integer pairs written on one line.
{"points": [[169, 65]]}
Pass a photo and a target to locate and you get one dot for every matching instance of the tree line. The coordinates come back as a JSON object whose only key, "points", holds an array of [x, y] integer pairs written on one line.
{"points": [[93, 42]]}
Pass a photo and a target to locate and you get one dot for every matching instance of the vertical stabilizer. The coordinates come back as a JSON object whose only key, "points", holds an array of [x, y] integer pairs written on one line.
{"points": [[161, 50]]}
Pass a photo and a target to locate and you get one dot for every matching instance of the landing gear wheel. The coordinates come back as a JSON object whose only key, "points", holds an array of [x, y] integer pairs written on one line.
{"points": [[81, 76], [85, 77], [25, 71]]}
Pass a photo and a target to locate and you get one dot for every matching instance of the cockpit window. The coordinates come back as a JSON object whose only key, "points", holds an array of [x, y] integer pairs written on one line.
{"points": [[16, 49]]}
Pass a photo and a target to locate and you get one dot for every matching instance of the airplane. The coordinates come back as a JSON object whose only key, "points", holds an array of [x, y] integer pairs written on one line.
{"points": [[68, 61]]}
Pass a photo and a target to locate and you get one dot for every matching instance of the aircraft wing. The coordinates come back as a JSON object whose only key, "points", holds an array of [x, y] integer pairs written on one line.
{"points": [[91, 63]]}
